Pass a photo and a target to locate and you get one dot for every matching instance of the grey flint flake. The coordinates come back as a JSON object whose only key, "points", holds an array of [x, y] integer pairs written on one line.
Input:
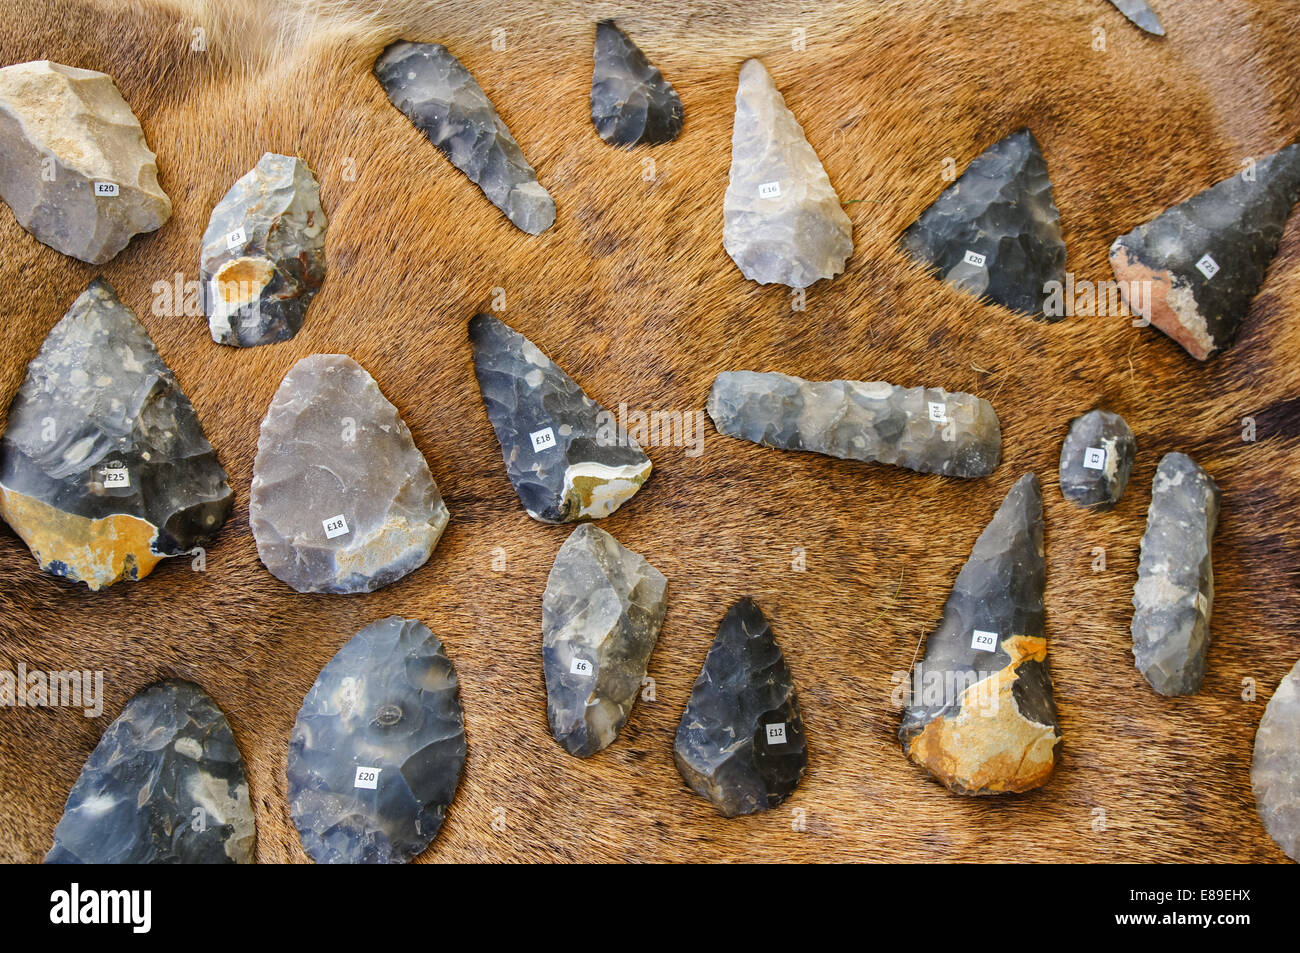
{"points": [[978, 712], [1174, 594], [438, 95], [782, 220], [1140, 13], [1204, 260], [378, 747], [926, 429], [1096, 459], [1275, 769], [566, 456], [741, 740], [263, 254], [995, 232], [601, 614], [74, 165], [631, 102], [104, 468], [165, 785], [342, 500]]}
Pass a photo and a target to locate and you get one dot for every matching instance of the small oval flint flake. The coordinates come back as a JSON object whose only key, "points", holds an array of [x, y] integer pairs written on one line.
{"points": [[1096, 459]]}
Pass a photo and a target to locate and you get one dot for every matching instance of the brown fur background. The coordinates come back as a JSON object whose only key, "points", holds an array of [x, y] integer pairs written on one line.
{"points": [[632, 293]]}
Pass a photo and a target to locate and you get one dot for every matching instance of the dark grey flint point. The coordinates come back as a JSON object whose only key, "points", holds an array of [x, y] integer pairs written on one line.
{"points": [[926, 429], [378, 747], [565, 454], [631, 102], [995, 232], [438, 95], [601, 614], [1140, 14], [1096, 459], [165, 785], [1174, 595], [104, 468], [263, 254], [1275, 766], [741, 740]]}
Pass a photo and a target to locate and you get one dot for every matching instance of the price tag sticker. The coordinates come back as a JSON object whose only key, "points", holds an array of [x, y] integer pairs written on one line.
{"points": [[984, 641], [236, 239], [1094, 458], [769, 190], [938, 412], [335, 526], [974, 258], [1207, 266], [367, 778], [580, 666], [542, 439], [115, 478], [776, 734], [105, 190]]}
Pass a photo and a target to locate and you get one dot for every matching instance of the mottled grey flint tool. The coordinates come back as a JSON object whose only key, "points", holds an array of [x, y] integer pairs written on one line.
{"points": [[601, 614], [342, 500], [631, 102], [1096, 459], [1204, 260], [564, 453], [165, 785], [104, 469], [741, 740], [1141, 14], [979, 713], [263, 254], [378, 747], [1174, 595], [437, 93], [1275, 768], [782, 220], [995, 232], [926, 429], [74, 166]]}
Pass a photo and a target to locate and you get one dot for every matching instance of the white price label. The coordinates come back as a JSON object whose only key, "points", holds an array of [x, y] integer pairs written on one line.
{"points": [[335, 526], [769, 190], [116, 478], [974, 258], [106, 190], [938, 412], [984, 641], [776, 734], [236, 239], [542, 439], [1207, 266], [580, 666], [1094, 458], [367, 778]]}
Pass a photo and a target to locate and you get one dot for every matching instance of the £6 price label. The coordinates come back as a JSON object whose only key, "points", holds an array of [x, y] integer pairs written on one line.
{"points": [[984, 641], [580, 666], [367, 778]]}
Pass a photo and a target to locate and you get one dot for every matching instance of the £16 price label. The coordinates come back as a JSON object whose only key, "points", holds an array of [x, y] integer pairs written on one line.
{"points": [[769, 190]]}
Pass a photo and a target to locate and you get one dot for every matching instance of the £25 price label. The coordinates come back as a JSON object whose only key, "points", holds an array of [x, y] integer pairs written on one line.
{"points": [[105, 190], [543, 439], [984, 641], [1207, 266], [580, 666], [367, 778], [1094, 458], [116, 478], [776, 734], [335, 526]]}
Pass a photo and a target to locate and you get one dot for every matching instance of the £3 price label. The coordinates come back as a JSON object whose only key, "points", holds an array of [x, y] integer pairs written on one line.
{"points": [[1094, 458], [367, 778], [237, 238]]}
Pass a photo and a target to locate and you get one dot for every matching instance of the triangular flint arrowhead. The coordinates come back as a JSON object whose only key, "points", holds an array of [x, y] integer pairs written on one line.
{"points": [[979, 711], [1194, 269], [631, 102], [995, 232]]}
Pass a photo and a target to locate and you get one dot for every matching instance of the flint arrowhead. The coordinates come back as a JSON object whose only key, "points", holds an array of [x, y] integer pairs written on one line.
{"points": [[1141, 14], [1174, 594], [601, 615], [1096, 459], [926, 429], [979, 713], [378, 747], [438, 95], [995, 232], [263, 254], [104, 469], [1275, 769], [342, 500], [565, 454], [74, 166], [782, 220], [1197, 266], [631, 102], [741, 740], [165, 785]]}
